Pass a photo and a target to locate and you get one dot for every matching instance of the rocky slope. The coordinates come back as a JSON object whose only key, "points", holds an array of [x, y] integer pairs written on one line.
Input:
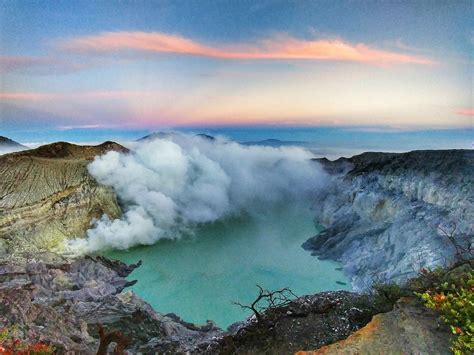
{"points": [[307, 322], [381, 216], [62, 302], [408, 329], [47, 195], [383, 212]]}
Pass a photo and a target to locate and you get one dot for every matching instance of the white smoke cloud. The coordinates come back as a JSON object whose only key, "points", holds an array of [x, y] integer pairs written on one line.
{"points": [[8, 150], [168, 186]]}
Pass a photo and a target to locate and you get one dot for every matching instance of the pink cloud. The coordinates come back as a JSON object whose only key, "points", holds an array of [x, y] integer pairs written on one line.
{"points": [[279, 47], [26, 96], [465, 112]]}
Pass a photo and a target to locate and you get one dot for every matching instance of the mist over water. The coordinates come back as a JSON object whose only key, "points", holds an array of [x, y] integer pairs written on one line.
{"points": [[210, 219], [198, 277], [169, 187]]}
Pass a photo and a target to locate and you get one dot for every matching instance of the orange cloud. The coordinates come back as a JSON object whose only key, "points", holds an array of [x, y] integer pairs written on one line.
{"points": [[465, 112], [280, 47]]}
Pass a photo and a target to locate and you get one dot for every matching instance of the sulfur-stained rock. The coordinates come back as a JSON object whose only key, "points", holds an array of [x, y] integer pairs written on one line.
{"points": [[408, 329], [47, 196]]}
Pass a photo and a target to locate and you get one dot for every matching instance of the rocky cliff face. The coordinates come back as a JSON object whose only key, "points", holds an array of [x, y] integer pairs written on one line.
{"points": [[47, 195], [307, 322], [408, 329], [383, 211], [381, 216], [62, 302]]}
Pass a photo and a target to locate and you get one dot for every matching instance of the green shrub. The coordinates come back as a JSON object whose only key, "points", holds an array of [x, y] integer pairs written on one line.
{"points": [[455, 301]]}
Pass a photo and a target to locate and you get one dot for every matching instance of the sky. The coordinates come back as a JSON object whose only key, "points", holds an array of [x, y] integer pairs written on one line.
{"points": [[90, 66]]}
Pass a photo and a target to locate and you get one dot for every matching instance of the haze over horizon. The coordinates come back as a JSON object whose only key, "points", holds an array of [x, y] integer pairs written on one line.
{"points": [[75, 70]]}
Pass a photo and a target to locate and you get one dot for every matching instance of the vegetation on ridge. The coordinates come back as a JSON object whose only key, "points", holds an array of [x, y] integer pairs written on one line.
{"points": [[455, 300], [11, 343]]}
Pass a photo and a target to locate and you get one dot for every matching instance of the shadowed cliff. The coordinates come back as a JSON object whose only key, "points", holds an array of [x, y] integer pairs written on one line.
{"points": [[384, 211]]}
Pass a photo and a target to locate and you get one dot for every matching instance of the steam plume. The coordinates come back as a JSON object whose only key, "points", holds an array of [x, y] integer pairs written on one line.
{"points": [[168, 186]]}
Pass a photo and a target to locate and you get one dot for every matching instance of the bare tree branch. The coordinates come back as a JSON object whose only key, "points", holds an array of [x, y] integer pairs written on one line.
{"points": [[268, 299], [462, 243]]}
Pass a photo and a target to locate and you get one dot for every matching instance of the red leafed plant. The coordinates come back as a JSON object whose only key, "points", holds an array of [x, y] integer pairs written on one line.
{"points": [[10, 344]]}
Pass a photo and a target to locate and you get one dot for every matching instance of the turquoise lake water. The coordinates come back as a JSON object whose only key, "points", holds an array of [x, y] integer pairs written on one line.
{"points": [[198, 277]]}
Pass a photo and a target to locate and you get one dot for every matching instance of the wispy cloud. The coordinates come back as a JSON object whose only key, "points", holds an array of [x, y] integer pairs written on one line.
{"points": [[281, 47], [84, 126], [465, 111], [12, 63], [23, 96]]}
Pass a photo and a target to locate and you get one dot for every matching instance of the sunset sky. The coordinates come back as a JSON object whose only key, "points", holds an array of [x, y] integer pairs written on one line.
{"points": [[89, 65]]}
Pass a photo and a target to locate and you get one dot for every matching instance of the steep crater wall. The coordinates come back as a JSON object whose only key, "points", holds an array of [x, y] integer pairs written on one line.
{"points": [[47, 195], [383, 211]]}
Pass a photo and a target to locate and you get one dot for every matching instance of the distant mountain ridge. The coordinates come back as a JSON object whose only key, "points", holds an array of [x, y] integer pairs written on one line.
{"points": [[156, 135], [68, 150], [166, 135], [275, 143], [6, 142], [270, 142]]}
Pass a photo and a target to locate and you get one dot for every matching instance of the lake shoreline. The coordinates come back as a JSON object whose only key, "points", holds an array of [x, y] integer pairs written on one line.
{"points": [[224, 261]]}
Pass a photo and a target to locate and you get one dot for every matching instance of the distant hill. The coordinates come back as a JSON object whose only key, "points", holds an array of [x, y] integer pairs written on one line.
{"points": [[164, 135], [275, 143], [266, 142], [156, 135], [9, 143]]}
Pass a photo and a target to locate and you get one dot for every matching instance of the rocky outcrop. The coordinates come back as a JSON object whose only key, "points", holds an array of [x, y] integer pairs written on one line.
{"points": [[382, 213], [62, 303], [308, 322], [409, 329], [47, 195]]}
